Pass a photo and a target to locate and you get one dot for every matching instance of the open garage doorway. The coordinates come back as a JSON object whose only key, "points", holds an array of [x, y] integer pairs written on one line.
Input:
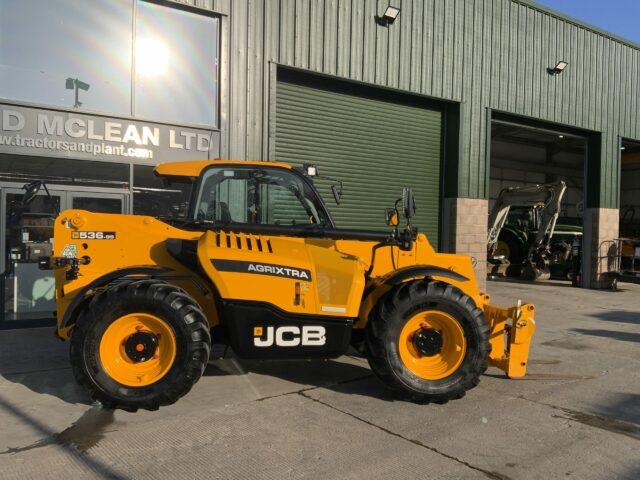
{"points": [[630, 210], [536, 201]]}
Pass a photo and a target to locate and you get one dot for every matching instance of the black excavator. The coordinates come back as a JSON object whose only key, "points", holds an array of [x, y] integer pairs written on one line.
{"points": [[523, 240]]}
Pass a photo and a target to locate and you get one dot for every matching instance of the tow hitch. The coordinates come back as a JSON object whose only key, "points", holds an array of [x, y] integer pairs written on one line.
{"points": [[511, 332]]}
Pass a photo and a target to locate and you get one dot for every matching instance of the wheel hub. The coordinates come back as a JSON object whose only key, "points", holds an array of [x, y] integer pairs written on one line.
{"points": [[141, 346], [428, 342]]}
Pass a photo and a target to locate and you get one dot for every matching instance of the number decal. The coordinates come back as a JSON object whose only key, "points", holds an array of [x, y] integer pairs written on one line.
{"points": [[93, 235]]}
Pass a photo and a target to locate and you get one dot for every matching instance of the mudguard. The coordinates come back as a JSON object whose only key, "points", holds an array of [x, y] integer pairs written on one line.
{"points": [[141, 271]]}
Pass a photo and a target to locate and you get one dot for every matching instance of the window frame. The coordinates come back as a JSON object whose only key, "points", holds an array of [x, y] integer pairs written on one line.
{"points": [[197, 185], [131, 113]]}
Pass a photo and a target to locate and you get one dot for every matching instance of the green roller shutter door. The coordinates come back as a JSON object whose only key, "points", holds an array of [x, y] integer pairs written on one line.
{"points": [[376, 146]]}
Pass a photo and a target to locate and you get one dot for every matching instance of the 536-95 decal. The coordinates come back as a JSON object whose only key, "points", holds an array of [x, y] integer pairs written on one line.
{"points": [[93, 235]]}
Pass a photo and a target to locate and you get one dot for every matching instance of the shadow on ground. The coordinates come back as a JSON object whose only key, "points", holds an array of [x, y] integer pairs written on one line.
{"points": [[613, 334], [620, 316], [57, 383], [74, 441], [335, 375], [35, 359], [623, 406]]}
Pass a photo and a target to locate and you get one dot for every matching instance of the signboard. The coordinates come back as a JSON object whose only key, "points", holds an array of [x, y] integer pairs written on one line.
{"points": [[34, 131]]}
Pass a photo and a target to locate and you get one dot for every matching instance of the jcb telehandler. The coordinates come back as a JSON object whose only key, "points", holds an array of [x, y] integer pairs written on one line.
{"points": [[259, 264]]}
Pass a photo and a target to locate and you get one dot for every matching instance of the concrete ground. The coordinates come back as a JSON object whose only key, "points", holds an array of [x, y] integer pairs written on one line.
{"points": [[577, 415]]}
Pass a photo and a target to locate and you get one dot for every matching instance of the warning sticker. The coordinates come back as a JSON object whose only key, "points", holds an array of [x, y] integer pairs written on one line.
{"points": [[70, 250]]}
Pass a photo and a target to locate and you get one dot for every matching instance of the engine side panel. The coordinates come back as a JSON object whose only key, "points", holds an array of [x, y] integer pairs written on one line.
{"points": [[297, 275]]}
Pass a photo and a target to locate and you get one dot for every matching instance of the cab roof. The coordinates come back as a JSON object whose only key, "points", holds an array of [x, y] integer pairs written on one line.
{"points": [[193, 169]]}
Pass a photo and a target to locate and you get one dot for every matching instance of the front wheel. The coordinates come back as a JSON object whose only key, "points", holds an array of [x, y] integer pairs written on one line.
{"points": [[140, 344], [428, 341]]}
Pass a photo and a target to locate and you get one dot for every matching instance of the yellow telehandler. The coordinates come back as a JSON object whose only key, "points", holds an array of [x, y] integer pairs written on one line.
{"points": [[258, 264]]}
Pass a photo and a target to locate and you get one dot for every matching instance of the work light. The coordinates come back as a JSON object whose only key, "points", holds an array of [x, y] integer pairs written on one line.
{"points": [[558, 69], [389, 16]]}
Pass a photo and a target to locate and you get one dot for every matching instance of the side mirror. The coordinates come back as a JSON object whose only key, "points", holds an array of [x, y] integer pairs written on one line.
{"points": [[391, 217], [337, 193], [30, 191], [408, 203]]}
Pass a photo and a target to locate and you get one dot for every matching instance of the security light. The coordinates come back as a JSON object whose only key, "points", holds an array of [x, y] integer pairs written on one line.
{"points": [[389, 16], [558, 69]]}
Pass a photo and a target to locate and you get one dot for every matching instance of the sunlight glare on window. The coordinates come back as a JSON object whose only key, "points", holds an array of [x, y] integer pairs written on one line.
{"points": [[152, 57]]}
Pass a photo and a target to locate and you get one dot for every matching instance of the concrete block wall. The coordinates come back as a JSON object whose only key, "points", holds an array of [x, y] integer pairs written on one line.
{"points": [[465, 232], [603, 224]]}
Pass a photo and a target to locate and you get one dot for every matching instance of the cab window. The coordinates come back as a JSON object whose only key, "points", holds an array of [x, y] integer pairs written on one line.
{"points": [[263, 196]]}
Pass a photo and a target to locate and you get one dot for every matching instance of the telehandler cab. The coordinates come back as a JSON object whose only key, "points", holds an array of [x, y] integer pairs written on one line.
{"points": [[259, 264]]}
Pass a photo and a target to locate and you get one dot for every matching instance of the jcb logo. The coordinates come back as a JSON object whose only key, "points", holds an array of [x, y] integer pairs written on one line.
{"points": [[290, 336]]}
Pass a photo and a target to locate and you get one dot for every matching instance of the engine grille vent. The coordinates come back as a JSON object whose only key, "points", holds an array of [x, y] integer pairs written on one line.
{"points": [[241, 241]]}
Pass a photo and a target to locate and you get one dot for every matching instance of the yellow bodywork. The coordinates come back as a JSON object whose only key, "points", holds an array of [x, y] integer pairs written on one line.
{"points": [[339, 270]]}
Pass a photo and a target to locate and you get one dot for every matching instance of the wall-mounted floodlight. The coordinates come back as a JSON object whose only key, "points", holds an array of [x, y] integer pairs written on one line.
{"points": [[558, 69], [75, 84], [389, 16]]}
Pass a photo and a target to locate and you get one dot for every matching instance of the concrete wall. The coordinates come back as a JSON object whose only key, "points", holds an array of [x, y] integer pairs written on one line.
{"points": [[602, 227], [465, 222]]}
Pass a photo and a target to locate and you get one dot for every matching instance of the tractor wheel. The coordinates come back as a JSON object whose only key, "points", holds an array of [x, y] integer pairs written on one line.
{"points": [[428, 341], [140, 344], [512, 247]]}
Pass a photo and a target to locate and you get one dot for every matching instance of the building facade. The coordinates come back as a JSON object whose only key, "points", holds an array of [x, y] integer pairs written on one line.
{"points": [[93, 94]]}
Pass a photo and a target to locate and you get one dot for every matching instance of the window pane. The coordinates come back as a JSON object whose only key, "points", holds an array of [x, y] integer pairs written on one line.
{"points": [[176, 58], [45, 45], [29, 291], [151, 197], [64, 171], [284, 208], [97, 204]]}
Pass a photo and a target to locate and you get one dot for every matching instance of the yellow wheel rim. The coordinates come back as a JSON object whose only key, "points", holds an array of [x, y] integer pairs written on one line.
{"points": [[448, 351], [137, 349]]}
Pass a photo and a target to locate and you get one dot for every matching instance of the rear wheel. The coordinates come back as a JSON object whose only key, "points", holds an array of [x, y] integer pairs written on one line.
{"points": [[140, 344], [512, 247], [428, 341]]}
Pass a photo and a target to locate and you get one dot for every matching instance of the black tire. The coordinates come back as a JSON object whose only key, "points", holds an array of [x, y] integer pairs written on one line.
{"points": [[389, 317], [516, 248], [168, 302]]}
